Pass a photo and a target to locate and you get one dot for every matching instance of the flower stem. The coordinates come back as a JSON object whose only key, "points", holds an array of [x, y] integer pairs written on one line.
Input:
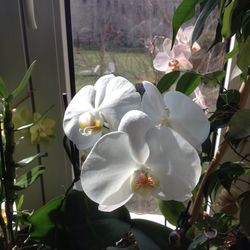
{"points": [[244, 91]]}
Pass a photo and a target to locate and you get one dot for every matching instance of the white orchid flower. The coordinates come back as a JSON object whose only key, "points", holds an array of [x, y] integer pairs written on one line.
{"points": [[142, 159], [175, 59], [96, 106], [177, 111]]}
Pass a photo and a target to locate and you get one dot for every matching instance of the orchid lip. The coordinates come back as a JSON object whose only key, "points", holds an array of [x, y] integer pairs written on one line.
{"points": [[143, 182]]}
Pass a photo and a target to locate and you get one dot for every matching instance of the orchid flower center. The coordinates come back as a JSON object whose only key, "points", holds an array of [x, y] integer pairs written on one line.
{"points": [[143, 182], [174, 64], [165, 120], [90, 123]]}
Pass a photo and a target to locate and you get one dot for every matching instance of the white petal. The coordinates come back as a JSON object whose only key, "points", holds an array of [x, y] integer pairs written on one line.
{"points": [[152, 102], [167, 47], [121, 197], [120, 98], [106, 170], [81, 103], [100, 87], [174, 162], [161, 61], [136, 124], [187, 118], [185, 64]]}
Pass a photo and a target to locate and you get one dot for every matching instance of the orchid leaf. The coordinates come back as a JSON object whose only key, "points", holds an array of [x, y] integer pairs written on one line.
{"points": [[3, 89], [24, 81], [150, 235], [28, 160], [213, 78], [184, 12], [29, 178], [89, 228], [188, 82], [167, 81]]}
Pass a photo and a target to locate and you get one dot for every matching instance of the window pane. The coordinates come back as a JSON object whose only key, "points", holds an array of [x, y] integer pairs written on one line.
{"points": [[113, 36]]}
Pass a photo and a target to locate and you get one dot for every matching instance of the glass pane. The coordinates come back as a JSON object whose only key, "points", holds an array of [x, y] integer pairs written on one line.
{"points": [[115, 36]]}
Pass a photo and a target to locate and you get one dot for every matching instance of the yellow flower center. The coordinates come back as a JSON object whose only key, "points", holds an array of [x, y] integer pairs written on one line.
{"points": [[165, 121], [90, 123], [174, 64], [143, 182]]}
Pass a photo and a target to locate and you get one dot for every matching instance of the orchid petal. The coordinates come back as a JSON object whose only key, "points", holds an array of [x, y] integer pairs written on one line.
{"points": [[161, 61], [182, 50], [174, 162], [187, 118], [185, 64], [136, 124], [82, 102], [106, 170], [119, 99], [167, 43], [100, 87], [152, 102]]}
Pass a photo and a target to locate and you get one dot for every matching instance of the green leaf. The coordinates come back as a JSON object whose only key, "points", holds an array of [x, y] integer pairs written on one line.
{"points": [[188, 82], [28, 178], [232, 52], [20, 203], [150, 235], [198, 240], [25, 126], [3, 89], [227, 19], [243, 60], [184, 12], [167, 81], [239, 125], [133, 247], [226, 106], [244, 212], [171, 210], [24, 81], [213, 78], [28, 160], [43, 222], [200, 22], [89, 228]]}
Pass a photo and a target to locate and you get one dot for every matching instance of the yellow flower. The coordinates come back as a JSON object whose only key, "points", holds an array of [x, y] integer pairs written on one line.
{"points": [[43, 129]]}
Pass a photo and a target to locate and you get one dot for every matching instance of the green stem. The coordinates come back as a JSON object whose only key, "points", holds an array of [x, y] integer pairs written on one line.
{"points": [[9, 175]]}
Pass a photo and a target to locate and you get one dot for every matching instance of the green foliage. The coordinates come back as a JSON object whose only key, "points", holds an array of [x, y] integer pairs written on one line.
{"points": [[188, 82], [227, 174], [200, 22], [213, 78], [197, 241], [243, 60], [45, 221], [244, 212], [171, 210], [150, 235], [167, 81], [28, 178], [227, 105], [227, 19], [239, 125], [28, 160], [184, 12], [3, 89], [21, 86]]}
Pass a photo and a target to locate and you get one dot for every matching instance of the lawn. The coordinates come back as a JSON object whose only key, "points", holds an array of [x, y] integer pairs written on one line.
{"points": [[134, 65]]}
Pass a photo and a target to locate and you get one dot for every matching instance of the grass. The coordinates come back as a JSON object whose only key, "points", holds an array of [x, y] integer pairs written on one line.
{"points": [[134, 65]]}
